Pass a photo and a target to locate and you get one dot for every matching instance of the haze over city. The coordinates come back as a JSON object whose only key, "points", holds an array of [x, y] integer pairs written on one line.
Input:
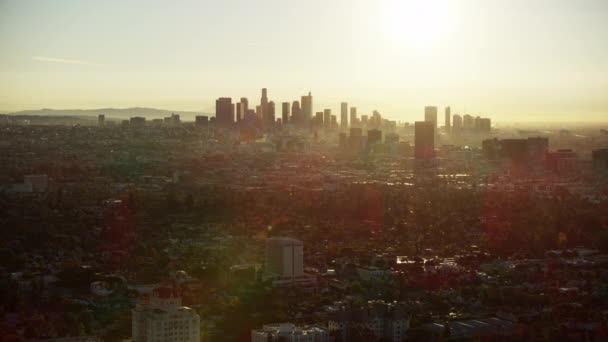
{"points": [[304, 171], [516, 60]]}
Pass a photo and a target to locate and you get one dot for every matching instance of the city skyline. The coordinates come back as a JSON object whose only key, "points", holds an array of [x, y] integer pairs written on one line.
{"points": [[391, 56], [304, 171]]}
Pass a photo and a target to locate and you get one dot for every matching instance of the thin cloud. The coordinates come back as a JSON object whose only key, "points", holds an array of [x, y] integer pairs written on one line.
{"points": [[65, 61], [254, 44]]}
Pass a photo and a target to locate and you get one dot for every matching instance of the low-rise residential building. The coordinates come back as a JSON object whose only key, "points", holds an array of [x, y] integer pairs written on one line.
{"points": [[288, 332]]}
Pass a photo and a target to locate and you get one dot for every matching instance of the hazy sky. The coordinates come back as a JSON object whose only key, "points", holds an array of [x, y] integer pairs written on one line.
{"points": [[508, 59]]}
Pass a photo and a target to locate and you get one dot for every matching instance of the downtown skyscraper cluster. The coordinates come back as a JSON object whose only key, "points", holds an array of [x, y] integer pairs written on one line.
{"points": [[297, 114]]}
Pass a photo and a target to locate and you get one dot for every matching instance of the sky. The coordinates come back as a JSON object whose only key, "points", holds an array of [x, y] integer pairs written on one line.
{"points": [[512, 60]]}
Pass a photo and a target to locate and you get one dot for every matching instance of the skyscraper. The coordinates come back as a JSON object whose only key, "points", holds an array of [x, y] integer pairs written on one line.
{"points": [[244, 105], [448, 117], [269, 115], [424, 132], [224, 111], [244, 108], [430, 114], [264, 100], [364, 120], [468, 122], [353, 116], [101, 120], [285, 112], [265, 116], [239, 111], [344, 115], [457, 125], [376, 120], [482, 125], [295, 113], [327, 118], [306, 109], [317, 122]]}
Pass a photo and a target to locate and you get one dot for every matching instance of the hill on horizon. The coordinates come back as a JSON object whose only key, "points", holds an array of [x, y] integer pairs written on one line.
{"points": [[118, 113]]}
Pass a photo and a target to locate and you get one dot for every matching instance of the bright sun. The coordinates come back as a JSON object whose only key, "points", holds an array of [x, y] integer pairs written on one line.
{"points": [[417, 23]]}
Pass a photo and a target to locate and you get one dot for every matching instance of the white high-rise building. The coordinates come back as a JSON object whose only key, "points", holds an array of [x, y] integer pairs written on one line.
{"points": [[284, 257], [289, 332], [285, 262], [161, 317]]}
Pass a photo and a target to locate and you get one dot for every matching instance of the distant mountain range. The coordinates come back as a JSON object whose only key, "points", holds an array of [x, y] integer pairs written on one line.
{"points": [[118, 113]]}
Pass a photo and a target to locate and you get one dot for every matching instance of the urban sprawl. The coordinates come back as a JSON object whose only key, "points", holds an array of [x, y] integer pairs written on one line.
{"points": [[250, 225]]}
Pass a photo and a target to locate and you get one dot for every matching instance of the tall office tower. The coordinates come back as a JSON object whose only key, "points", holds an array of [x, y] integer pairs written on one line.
{"points": [[239, 110], [344, 115], [424, 137], [334, 122], [376, 120], [264, 98], [285, 113], [353, 116], [224, 111], [364, 120], [264, 101], [468, 122], [448, 117], [101, 120], [284, 257], [457, 124], [295, 113], [161, 317], [306, 109], [327, 118], [483, 125], [317, 121], [244, 106], [269, 115], [430, 114]]}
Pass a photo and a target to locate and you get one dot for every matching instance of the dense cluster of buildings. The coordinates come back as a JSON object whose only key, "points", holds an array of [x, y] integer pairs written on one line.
{"points": [[348, 227]]}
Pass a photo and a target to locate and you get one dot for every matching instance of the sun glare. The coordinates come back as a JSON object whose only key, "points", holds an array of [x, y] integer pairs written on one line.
{"points": [[417, 23]]}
